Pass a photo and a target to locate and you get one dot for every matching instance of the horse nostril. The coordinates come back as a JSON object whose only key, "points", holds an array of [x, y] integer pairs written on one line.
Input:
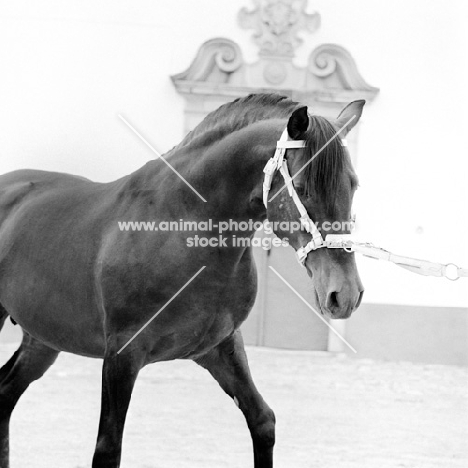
{"points": [[332, 300]]}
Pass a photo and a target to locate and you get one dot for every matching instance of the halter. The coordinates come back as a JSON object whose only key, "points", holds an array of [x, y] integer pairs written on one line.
{"points": [[277, 162], [343, 241]]}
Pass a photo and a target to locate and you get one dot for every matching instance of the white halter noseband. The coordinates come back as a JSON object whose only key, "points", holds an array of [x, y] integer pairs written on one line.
{"points": [[277, 162]]}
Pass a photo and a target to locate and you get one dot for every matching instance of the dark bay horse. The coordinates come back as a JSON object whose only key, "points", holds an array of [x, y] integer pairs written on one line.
{"points": [[75, 282]]}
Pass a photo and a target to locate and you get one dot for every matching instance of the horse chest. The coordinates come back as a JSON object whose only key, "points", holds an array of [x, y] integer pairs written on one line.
{"points": [[202, 322]]}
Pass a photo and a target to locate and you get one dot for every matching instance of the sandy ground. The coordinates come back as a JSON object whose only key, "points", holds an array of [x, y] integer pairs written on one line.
{"points": [[332, 411]]}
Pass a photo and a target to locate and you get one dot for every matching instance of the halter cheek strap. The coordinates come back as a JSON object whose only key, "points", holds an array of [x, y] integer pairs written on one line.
{"points": [[277, 162]]}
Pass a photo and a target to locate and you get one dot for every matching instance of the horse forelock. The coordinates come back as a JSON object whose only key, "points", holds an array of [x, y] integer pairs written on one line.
{"points": [[323, 174]]}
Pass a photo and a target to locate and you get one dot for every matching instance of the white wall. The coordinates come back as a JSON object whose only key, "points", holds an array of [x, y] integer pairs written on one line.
{"points": [[68, 68]]}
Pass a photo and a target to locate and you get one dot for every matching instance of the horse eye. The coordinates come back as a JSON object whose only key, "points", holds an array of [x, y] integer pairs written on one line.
{"points": [[300, 189]]}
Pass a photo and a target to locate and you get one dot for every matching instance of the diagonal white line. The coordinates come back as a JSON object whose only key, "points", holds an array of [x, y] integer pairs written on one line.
{"points": [[157, 153], [161, 309], [315, 155], [313, 310]]}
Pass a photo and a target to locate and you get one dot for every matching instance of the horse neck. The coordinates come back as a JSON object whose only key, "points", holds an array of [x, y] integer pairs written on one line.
{"points": [[228, 173]]}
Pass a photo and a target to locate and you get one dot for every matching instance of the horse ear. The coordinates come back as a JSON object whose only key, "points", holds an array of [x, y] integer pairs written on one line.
{"points": [[352, 111], [298, 122]]}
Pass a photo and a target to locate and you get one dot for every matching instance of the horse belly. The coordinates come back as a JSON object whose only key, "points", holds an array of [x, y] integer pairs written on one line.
{"points": [[51, 316]]}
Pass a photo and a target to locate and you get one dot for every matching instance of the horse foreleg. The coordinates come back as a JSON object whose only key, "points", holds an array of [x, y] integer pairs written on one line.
{"points": [[29, 363], [119, 374], [227, 363]]}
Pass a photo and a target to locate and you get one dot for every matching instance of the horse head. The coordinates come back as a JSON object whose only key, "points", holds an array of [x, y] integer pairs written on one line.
{"points": [[323, 184]]}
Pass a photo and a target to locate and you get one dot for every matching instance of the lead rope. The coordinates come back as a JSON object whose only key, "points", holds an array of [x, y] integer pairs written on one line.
{"points": [[343, 241], [415, 265]]}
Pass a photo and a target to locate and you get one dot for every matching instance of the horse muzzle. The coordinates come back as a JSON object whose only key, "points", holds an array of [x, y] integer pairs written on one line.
{"points": [[341, 304]]}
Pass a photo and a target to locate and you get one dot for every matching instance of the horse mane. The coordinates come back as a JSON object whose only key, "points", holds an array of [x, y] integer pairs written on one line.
{"points": [[322, 175], [238, 114]]}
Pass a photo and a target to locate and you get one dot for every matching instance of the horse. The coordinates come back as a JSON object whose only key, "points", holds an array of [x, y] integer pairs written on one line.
{"points": [[75, 281]]}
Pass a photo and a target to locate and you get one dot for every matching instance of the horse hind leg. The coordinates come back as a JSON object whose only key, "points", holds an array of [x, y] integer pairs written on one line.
{"points": [[9, 364], [30, 361]]}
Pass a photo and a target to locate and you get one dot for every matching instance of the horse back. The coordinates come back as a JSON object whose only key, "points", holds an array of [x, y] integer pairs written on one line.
{"points": [[19, 186]]}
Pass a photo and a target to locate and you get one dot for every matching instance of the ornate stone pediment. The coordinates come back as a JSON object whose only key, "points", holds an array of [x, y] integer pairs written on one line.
{"points": [[331, 73], [276, 24], [219, 72]]}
